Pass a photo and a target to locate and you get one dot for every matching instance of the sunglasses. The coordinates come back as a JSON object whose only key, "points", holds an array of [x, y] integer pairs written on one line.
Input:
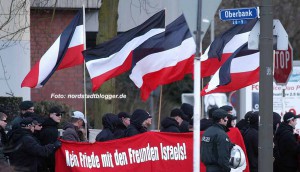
{"points": [[58, 114]]}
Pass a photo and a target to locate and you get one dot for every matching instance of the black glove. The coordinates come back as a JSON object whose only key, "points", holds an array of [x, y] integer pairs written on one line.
{"points": [[57, 144]]}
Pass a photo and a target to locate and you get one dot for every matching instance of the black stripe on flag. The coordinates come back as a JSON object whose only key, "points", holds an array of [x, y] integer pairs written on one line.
{"points": [[175, 33], [217, 46], [65, 39], [117, 43]]}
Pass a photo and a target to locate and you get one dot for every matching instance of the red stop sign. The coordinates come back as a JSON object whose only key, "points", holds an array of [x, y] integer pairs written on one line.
{"points": [[283, 65]]}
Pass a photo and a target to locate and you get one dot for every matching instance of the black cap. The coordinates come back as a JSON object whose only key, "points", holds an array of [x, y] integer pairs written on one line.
{"points": [[123, 115], [227, 108], [37, 119], [56, 109], [139, 116], [219, 114], [289, 116], [187, 109], [26, 121], [25, 105], [176, 112], [231, 117], [211, 109]]}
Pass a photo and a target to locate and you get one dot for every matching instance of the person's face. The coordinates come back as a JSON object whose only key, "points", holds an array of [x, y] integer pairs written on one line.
{"points": [[56, 117], [30, 109], [80, 123], [293, 123], [179, 120], [3, 122], [233, 123], [126, 121], [223, 121], [147, 123], [38, 127]]}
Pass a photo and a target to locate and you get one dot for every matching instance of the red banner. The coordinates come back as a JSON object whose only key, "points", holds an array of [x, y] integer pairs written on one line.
{"points": [[148, 152]]}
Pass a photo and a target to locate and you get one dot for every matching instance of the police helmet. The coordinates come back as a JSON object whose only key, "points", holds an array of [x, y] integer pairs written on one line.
{"points": [[237, 157]]}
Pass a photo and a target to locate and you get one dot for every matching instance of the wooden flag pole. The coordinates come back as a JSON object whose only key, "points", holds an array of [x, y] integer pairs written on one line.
{"points": [[159, 109]]}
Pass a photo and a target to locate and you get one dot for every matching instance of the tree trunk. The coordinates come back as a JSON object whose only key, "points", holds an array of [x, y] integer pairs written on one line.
{"points": [[108, 16]]}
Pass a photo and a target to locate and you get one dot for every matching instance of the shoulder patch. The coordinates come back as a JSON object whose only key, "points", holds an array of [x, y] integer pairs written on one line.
{"points": [[205, 139]]}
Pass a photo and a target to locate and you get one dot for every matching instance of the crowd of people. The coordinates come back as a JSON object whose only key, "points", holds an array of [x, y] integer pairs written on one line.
{"points": [[31, 141]]}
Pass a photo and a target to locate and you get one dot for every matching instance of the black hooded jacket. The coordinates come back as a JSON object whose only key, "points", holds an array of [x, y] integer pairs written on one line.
{"points": [[49, 132], [288, 147], [169, 125], [110, 122], [26, 150], [205, 124], [250, 135], [136, 121]]}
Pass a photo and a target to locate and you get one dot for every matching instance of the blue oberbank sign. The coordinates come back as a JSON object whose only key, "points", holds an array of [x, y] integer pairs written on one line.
{"points": [[238, 13]]}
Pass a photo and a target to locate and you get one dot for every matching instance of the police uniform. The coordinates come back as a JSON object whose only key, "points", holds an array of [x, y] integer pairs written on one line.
{"points": [[216, 146]]}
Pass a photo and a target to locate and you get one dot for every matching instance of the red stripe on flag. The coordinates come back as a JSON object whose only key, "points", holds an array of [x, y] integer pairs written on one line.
{"points": [[165, 76], [212, 64], [238, 81], [32, 77], [73, 57], [99, 80]]}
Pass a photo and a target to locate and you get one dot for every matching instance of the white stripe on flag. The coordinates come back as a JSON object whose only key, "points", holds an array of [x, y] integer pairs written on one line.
{"points": [[157, 61], [48, 61], [246, 63], [237, 41], [103, 65], [77, 38]]}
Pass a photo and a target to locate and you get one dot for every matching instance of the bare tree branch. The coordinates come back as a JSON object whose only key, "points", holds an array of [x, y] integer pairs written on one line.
{"points": [[6, 78]]}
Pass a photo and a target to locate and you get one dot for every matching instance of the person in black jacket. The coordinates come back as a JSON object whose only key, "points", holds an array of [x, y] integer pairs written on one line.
{"points": [[139, 123], [109, 122], [125, 118], [49, 133], [215, 144], [3, 135], [171, 124], [206, 123], [26, 148], [188, 113], [286, 147], [25, 106], [276, 121], [250, 136], [242, 125], [123, 123]]}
